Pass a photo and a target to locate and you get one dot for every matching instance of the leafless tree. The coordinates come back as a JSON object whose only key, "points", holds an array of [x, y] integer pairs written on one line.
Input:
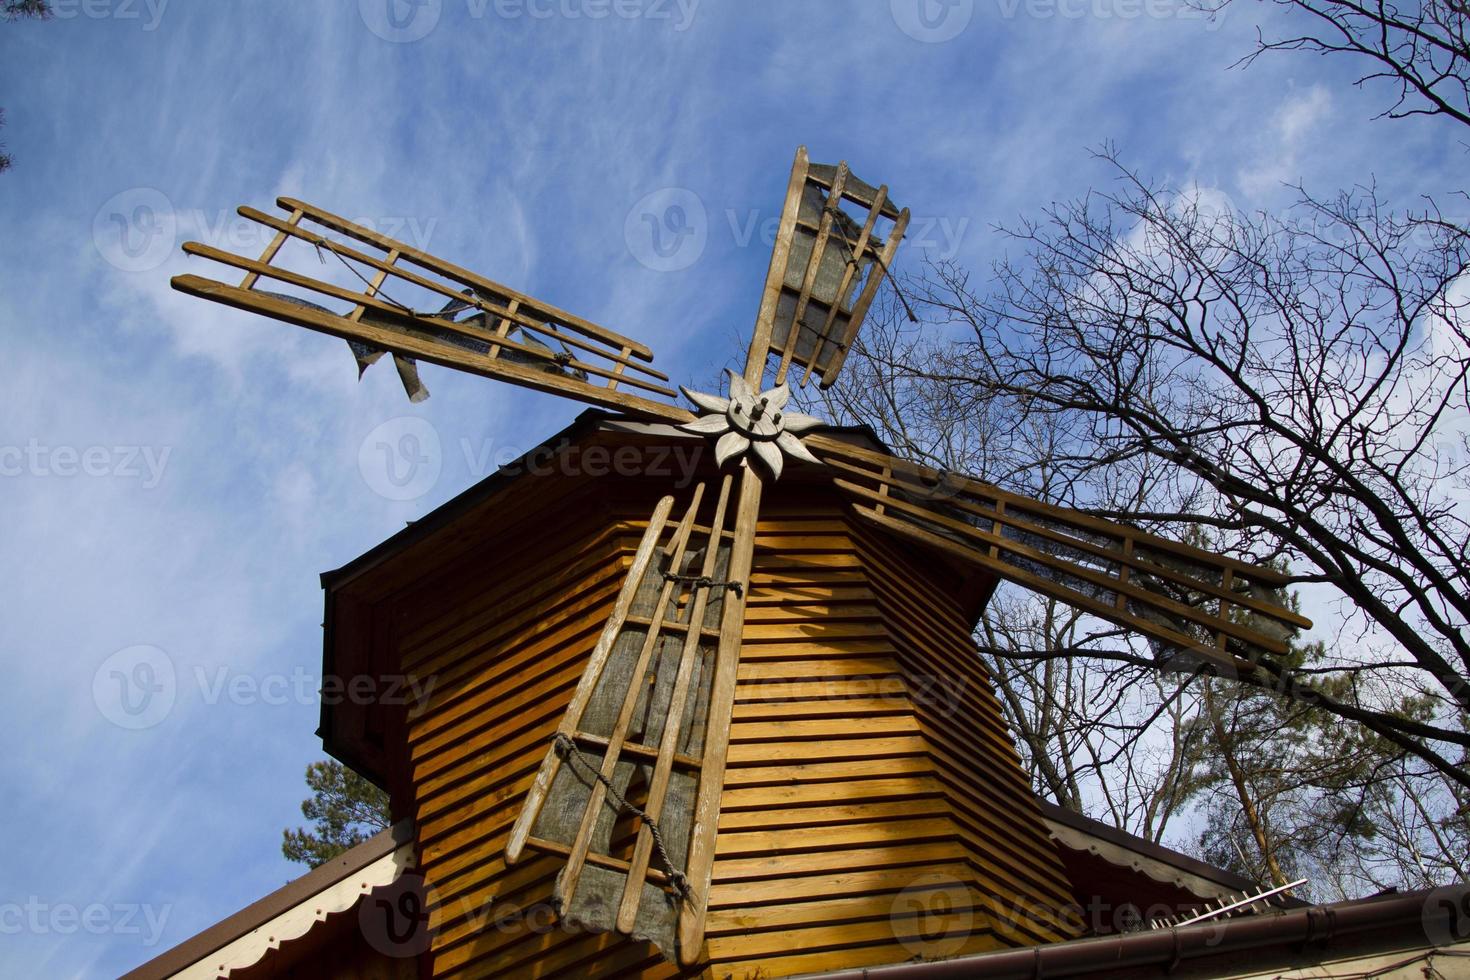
{"points": [[1295, 388], [1296, 382], [1420, 47]]}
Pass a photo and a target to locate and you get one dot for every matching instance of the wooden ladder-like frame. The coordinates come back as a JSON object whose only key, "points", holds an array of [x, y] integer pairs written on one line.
{"points": [[569, 814], [575, 350], [834, 185]]}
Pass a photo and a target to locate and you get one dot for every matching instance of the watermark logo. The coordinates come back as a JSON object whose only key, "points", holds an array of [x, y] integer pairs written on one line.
{"points": [[1186, 663], [932, 21], [143, 463], [402, 458], [939, 237], [135, 230], [41, 918], [933, 917], [667, 230], [675, 463], [149, 13], [401, 21], [1213, 15], [394, 919], [1446, 915], [679, 13], [135, 688]]}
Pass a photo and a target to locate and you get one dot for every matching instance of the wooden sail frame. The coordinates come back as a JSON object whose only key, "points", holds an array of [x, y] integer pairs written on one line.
{"points": [[1175, 594], [564, 813], [813, 241], [567, 352]]}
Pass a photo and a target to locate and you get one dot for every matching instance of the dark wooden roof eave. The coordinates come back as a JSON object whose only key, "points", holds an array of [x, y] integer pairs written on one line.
{"points": [[253, 916]]}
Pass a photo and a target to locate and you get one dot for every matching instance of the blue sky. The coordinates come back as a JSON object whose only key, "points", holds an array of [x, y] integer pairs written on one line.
{"points": [[176, 475]]}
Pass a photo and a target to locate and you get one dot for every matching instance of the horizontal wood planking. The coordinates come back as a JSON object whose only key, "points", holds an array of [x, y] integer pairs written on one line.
{"points": [[841, 790]]}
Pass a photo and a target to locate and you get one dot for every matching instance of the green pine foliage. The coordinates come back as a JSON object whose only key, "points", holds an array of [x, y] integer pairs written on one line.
{"points": [[345, 809]]}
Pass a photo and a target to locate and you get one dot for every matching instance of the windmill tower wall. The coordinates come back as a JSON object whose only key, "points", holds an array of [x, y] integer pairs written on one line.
{"points": [[874, 810]]}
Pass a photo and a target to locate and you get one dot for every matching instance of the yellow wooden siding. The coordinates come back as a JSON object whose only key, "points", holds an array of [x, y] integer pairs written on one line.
{"points": [[848, 800]]}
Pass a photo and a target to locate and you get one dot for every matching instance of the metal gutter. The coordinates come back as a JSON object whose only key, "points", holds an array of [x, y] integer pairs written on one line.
{"points": [[1423, 917]]}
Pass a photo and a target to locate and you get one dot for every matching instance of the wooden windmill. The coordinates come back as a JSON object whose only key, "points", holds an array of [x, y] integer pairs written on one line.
{"points": [[626, 796]]}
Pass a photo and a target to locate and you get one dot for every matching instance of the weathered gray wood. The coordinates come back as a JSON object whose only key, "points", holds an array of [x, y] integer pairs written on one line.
{"points": [[588, 684]]}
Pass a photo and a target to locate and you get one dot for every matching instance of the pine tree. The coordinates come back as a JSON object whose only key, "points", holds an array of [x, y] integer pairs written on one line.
{"points": [[346, 810]]}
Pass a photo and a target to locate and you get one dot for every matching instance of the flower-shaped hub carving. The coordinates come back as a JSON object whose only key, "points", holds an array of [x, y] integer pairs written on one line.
{"points": [[752, 423]]}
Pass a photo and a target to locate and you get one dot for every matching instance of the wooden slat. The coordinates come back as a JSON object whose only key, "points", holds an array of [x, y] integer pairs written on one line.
{"points": [[268, 256], [585, 689], [507, 314], [369, 300], [443, 354], [460, 275], [673, 727], [722, 701], [809, 276], [760, 343], [870, 290], [857, 250], [373, 287]]}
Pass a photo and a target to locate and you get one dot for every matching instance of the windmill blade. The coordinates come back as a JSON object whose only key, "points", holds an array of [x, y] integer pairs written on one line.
{"points": [[473, 324], [1217, 609], [825, 268], [646, 733]]}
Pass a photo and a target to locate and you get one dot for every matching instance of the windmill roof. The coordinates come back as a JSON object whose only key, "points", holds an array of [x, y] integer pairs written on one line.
{"points": [[590, 421], [287, 914]]}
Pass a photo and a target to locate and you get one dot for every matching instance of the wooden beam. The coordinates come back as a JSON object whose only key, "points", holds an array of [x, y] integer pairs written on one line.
{"points": [[507, 314], [460, 275], [704, 829], [760, 343], [443, 354], [588, 685]]}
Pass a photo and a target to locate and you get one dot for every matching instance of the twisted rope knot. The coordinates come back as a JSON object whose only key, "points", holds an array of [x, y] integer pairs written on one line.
{"points": [[705, 582], [569, 751]]}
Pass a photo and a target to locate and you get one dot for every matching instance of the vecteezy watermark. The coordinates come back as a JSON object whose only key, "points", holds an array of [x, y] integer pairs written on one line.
{"points": [[405, 21], [1446, 915], [135, 688], [39, 917], [394, 919], [221, 684], [674, 463], [136, 230], [932, 21], [402, 458], [143, 463], [401, 21], [939, 236], [1111, 10], [667, 229], [149, 13], [933, 917], [678, 13]]}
